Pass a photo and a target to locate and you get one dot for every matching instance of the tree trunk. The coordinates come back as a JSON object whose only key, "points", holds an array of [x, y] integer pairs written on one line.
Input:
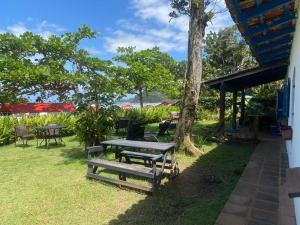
{"points": [[190, 101], [141, 97]]}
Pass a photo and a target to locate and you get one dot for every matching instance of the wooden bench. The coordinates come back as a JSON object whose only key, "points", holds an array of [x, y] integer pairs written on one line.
{"points": [[153, 173]]}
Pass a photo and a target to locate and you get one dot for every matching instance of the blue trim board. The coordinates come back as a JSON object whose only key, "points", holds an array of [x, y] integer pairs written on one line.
{"points": [[271, 36], [275, 49], [266, 26], [286, 39], [275, 61], [243, 17], [273, 55]]}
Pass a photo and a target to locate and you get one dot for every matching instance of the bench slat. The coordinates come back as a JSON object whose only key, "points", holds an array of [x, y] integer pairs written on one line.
{"points": [[123, 167], [141, 154], [120, 182]]}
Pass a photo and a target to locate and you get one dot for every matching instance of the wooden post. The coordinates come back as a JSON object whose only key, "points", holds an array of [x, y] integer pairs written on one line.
{"points": [[222, 111], [242, 119], [234, 109]]}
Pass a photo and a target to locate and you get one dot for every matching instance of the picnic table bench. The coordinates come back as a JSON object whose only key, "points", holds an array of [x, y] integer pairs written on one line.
{"points": [[154, 169]]}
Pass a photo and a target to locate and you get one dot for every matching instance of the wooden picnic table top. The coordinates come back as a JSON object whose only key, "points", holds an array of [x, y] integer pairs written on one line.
{"points": [[162, 147]]}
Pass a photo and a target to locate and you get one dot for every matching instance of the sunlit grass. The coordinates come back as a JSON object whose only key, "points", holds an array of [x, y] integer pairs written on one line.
{"points": [[40, 186]]}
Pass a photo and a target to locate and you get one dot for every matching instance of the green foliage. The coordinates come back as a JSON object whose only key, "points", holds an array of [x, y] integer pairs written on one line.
{"points": [[227, 52], [60, 119], [7, 125], [93, 125], [56, 66], [148, 115], [145, 71]]}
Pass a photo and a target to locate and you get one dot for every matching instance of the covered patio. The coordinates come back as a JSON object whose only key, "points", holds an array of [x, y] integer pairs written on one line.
{"points": [[236, 83]]}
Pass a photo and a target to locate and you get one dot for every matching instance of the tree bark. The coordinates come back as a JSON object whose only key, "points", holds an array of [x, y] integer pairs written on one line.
{"points": [[141, 97], [190, 101]]}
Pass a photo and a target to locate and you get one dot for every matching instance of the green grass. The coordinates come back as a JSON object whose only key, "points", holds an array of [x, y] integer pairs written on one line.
{"points": [[40, 186]]}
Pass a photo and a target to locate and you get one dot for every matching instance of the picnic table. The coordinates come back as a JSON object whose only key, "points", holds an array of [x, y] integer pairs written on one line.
{"points": [[156, 154], [46, 133]]}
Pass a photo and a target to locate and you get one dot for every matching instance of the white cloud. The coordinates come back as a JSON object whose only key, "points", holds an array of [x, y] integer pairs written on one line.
{"points": [[92, 50], [43, 28], [125, 39], [17, 29], [154, 27]]}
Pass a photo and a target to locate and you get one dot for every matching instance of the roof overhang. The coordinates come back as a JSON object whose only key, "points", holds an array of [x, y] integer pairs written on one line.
{"points": [[249, 78], [267, 26]]}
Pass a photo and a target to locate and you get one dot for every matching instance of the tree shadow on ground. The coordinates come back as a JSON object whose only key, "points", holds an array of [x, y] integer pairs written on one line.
{"points": [[197, 195], [72, 155]]}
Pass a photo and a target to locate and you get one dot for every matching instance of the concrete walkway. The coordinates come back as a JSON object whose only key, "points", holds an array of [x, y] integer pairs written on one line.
{"points": [[260, 197]]}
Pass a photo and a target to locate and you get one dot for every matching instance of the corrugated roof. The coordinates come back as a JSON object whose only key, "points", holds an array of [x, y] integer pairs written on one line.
{"points": [[37, 107]]}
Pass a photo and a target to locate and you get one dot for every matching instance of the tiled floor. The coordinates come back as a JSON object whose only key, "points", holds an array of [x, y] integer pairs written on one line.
{"points": [[260, 197]]}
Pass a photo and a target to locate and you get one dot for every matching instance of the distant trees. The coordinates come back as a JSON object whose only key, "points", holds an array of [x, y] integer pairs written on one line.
{"points": [[226, 52], [141, 72]]}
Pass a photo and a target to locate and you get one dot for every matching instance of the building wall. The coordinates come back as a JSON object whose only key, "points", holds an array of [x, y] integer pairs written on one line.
{"points": [[293, 146]]}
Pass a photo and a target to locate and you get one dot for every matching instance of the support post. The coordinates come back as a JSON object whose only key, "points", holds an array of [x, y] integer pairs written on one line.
{"points": [[222, 111], [234, 109], [242, 119]]}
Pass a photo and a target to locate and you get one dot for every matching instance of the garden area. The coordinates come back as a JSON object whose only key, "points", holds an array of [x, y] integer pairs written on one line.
{"points": [[165, 106], [42, 186]]}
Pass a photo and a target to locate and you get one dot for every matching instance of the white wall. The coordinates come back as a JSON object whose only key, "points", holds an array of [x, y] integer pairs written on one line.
{"points": [[293, 146]]}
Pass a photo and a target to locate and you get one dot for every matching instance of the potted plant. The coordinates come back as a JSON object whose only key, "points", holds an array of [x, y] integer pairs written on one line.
{"points": [[286, 132]]}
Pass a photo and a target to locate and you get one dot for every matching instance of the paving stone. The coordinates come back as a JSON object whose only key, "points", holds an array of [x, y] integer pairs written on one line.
{"points": [[268, 189], [255, 222], [267, 197], [237, 210], [287, 220], [240, 200], [265, 205], [245, 189], [229, 219], [259, 198], [263, 216]]}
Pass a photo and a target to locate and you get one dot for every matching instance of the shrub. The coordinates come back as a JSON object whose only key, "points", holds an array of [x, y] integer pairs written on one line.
{"points": [[61, 119], [93, 125], [148, 115], [7, 125]]}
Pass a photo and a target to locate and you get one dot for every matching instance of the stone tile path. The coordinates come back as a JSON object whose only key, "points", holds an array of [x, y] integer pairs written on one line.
{"points": [[260, 197]]}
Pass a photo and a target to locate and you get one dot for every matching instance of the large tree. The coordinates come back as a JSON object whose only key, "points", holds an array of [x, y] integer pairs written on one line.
{"points": [[141, 72], [196, 10], [33, 66], [227, 52]]}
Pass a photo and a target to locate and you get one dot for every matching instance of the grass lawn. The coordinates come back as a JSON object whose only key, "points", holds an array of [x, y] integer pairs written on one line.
{"points": [[40, 186]]}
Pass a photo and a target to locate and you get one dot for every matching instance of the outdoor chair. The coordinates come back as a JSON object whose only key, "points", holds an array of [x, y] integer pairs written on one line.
{"points": [[121, 123], [54, 133], [22, 133]]}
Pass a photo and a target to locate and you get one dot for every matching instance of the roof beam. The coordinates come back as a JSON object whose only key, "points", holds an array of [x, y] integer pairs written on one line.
{"points": [[272, 50], [284, 40], [273, 54], [274, 59], [282, 60], [261, 9], [268, 37], [267, 26]]}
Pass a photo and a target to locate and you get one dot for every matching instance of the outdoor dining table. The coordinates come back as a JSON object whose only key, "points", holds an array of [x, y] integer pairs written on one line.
{"points": [[153, 147], [161, 148], [46, 133]]}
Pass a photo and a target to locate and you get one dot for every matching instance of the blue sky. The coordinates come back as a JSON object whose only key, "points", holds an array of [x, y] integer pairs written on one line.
{"points": [[140, 23]]}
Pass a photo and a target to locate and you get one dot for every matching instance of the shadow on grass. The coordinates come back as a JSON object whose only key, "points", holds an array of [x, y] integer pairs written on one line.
{"points": [[72, 155], [198, 194]]}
